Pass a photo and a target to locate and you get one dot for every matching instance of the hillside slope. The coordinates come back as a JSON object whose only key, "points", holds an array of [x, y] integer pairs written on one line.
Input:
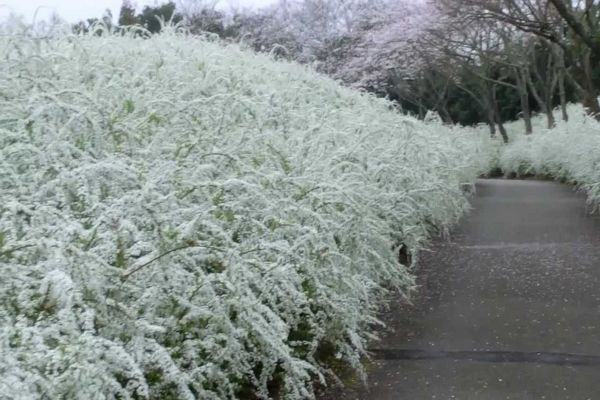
{"points": [[185, 219]]}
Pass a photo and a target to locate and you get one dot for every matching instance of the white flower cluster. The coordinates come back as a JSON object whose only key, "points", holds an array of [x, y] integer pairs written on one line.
{"points": [[569, 152], [184, 219]]}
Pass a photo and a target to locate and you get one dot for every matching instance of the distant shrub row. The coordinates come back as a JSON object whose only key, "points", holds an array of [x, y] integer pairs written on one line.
{"points": [[569, 152]]}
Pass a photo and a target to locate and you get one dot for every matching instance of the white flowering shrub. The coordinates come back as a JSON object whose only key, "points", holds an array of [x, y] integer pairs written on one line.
{"points": [[184, 219], [569, 152]]}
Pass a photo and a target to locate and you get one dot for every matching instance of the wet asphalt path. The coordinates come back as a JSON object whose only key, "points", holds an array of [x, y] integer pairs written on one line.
{"points": [[509, 305]]}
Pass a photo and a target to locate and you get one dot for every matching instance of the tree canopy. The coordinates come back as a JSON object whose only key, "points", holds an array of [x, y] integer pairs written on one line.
{"points": [[470, 61]]}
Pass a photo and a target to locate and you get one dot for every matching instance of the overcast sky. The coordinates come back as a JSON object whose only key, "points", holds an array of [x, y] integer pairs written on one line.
{"points": [[77, 10]]}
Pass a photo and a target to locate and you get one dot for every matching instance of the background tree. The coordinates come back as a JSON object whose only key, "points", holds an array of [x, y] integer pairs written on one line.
{"points": [[470, 61], [150, 17], [571, 24], [127, 15], [203, 16]]}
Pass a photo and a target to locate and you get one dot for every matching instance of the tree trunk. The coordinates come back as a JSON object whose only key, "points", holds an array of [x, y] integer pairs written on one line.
{"points": [[445, 115], [561, 72], [501, 128], [422, 111], [590, 94], [550, 118], [524, 99], [544, 106], [563, 96], [526, 114], [498, 118], [550, 89], [491, 121]]}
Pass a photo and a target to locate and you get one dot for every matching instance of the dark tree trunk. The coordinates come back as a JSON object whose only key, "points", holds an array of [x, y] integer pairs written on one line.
{"points": [[563, 96], [590, 94], [544, 86], [561, 72], [445, 115], [526, 114], [498, 117], [524, 99], [491, 122], [422, 111], [542, 103]]}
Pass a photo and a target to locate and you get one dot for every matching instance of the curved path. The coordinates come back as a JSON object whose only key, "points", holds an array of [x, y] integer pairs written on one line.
{"points": [[509, 306]]}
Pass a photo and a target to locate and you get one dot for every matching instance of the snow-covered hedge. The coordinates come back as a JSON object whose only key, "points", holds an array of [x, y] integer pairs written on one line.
{"points": [[569, 152], [183, 219]]}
